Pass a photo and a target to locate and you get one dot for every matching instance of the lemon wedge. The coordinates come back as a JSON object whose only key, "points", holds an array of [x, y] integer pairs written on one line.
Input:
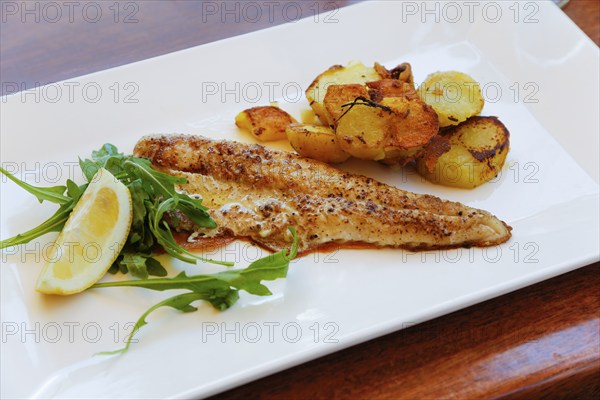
{"points": [[91, 239]]}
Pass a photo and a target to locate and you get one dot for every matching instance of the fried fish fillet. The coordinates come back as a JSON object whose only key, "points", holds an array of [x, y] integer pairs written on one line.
{"points": [[256, 193]]}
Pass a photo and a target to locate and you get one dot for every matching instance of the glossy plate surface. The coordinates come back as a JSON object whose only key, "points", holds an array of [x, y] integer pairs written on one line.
{"points": [[545, 94]]}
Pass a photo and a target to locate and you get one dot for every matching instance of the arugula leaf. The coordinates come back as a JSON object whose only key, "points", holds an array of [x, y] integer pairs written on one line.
{"points": [[105, 151], [74, 191], [154, 267], [269, 268], [181, 302], [160, 183], [53, 224], [89, 168], [162, 232], [220, 289], [194, 210], [53, 194], [100, 159], [140, 236], [138, 265]]}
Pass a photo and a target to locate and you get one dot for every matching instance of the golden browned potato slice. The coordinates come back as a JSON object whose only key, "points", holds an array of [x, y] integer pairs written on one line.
{"points": [[397, 128], [401, 157], [437, 146], [413, 125], [363, 129], [317, 142], [466, 155], [265, 123], [403, 72], [339, 95], [382, 71], [390, 88], [455, 96], [337, 75]]}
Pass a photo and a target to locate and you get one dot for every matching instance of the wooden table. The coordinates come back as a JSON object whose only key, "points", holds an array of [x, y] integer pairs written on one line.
{"points": [[541, 341]]}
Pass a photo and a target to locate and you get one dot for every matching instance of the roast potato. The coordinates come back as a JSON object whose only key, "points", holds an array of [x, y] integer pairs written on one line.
{"points": [[337, 75], [466, 155], [396, 128], [317, 142], [391, 88], [364, 128], [402, 72], [454, 96], [265, 123], [339, 95], [410, 128], [413, 124], [401, 157]]}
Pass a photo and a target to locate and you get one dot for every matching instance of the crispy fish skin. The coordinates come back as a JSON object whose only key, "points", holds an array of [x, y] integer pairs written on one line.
{"points": [[256, 193]]}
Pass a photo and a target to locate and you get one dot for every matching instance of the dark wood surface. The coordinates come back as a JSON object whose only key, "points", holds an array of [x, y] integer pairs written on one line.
{"points": [[39, 52], [542, 340], [539, 342]]}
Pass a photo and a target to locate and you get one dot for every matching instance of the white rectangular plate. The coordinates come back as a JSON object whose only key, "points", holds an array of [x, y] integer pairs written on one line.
{"points": [[539, 74]]}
